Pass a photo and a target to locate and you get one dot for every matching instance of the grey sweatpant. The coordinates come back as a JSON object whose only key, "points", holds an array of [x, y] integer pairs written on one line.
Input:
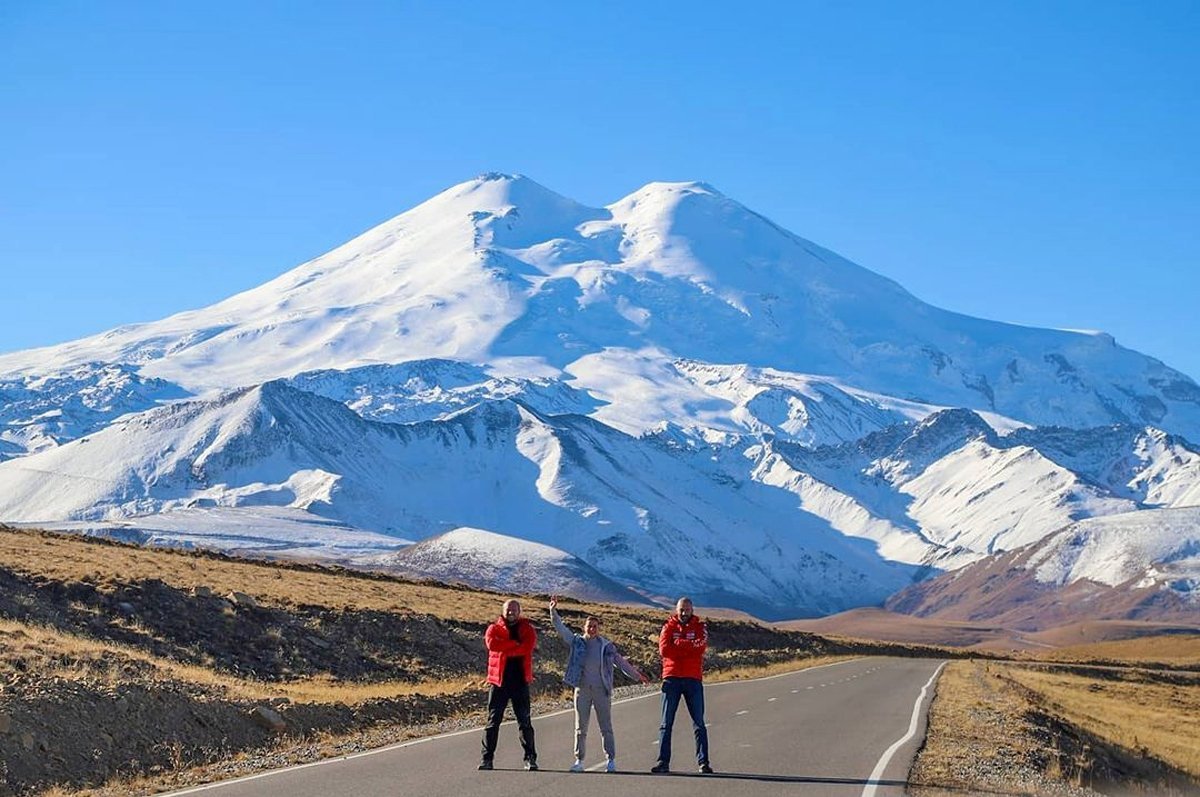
{"points": [[587, 697]]}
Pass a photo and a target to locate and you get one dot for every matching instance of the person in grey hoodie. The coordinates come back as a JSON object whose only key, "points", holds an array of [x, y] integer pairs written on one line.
{"points": [[590, 670]]}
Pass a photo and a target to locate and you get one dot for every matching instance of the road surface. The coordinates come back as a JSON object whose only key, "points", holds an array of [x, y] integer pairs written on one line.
{"points": [[850, 728]]}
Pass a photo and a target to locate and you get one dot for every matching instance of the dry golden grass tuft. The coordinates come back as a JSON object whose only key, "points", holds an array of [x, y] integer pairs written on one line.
{"points": [[1137, 711]]}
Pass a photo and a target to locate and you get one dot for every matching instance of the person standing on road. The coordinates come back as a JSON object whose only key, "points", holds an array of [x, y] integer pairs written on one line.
{"points": [[509, 642], [590, 664], [682, 643]]}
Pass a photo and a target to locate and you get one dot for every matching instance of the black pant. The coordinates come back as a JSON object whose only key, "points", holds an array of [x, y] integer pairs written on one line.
{"points": [[498, 699]]}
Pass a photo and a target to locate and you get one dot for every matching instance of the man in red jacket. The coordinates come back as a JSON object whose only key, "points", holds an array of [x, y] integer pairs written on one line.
{"points": [[509, 643], [682, 644]]}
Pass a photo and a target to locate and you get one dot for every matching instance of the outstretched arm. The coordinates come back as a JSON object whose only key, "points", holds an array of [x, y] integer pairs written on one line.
{"points": [[624, 665]]}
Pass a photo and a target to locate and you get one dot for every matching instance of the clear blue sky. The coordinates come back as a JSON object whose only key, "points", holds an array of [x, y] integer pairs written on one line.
{"points": [[1033, 162]]}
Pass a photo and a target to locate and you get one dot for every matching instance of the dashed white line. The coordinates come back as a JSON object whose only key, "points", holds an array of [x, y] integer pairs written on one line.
{"points": [[426, 739]]}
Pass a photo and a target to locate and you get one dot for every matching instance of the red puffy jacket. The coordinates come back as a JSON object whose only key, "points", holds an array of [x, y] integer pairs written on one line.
{"points": [[682, 646], [500, 646]]}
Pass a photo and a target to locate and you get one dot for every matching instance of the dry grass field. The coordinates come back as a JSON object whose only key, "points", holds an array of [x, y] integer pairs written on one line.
{"points": [[1166, 652], [125, 669], [1039, 729], [1147, 713], [980, 738]]}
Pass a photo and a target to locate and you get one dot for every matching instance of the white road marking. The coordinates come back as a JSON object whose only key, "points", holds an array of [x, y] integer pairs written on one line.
{"points": [[877, 772]]}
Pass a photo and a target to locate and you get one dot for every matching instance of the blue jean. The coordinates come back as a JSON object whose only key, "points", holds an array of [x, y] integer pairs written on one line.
{"points": [[692, 692]]}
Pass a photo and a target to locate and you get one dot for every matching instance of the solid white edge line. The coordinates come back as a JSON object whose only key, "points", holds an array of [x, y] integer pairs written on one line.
{"points": [[877, 773], [221, 783]]}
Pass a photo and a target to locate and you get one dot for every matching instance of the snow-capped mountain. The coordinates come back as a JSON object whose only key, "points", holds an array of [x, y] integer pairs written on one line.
{"points": [[1137, 565], [671, 389], [501, 271]]}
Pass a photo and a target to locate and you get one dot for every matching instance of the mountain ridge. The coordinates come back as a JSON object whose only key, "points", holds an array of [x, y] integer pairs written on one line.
{"points": [[676, 267], [670, 378]]}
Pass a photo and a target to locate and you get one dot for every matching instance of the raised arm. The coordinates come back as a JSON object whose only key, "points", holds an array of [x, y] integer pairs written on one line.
{"points": [[567, 634]]}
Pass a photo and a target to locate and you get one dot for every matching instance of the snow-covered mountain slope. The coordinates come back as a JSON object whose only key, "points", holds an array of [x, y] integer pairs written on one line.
{"points": [[480, 558], [777, 528], [642, 511], [426, 390], [1142, 464], [501, 271], [277, 532], [40, 412], [1139, 565], [671, 388], [946, 491]]}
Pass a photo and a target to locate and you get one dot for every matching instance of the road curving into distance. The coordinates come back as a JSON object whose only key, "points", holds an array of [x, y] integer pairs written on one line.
{"points": [[850, 728]]}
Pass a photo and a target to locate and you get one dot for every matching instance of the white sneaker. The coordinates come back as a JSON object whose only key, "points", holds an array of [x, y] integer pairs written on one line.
{"points": [[577, 766], [611, 766]]}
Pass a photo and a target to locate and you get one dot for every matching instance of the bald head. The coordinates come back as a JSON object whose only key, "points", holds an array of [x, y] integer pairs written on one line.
{"points": [[683, 608], [511, 610]]}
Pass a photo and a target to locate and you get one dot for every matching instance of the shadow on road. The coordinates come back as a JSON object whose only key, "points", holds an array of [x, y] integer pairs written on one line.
{"points": [[743, 776], [769, 778]]}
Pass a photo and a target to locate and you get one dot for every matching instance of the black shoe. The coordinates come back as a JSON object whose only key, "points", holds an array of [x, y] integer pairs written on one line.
{"points": [[705, 769], [531, 765], [485, 764], [660, 768]]}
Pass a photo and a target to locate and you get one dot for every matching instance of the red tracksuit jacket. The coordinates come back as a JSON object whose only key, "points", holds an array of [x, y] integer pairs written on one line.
{"points": [[682, 646]]}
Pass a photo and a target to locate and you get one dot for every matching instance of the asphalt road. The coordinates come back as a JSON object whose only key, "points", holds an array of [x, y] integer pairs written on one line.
{"points": [[850, 728]]}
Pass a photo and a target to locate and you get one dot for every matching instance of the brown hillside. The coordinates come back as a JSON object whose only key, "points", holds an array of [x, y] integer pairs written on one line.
{"points": [[1000, 591]]}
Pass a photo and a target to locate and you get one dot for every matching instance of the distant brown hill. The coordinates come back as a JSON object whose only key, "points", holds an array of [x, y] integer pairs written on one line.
{"points": [[1005, 591], [889, 626]]}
